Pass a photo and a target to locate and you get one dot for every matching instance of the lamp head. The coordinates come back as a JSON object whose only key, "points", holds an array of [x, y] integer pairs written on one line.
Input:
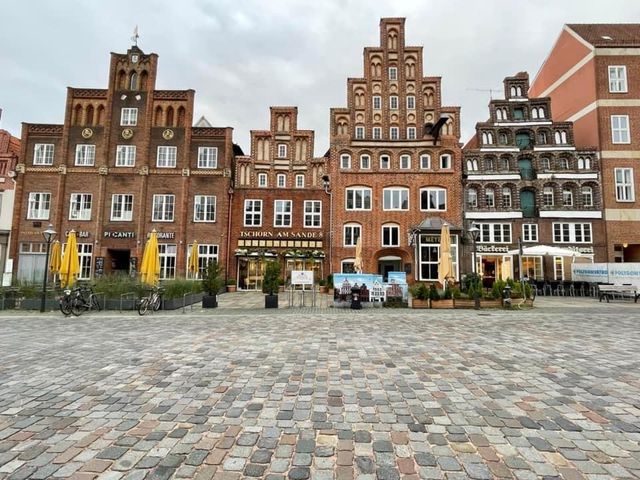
{"points": [[474, 231], [49, 233]]}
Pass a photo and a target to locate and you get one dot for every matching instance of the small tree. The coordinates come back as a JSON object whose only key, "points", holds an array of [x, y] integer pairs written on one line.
{"points": [[271, 275], [212, 281]]}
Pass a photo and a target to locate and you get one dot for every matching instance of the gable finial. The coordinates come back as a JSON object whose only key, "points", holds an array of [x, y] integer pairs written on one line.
{"points": [[135, 36]]}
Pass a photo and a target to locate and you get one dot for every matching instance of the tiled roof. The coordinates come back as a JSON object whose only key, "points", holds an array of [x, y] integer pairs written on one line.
{"points": [[608, 34]]}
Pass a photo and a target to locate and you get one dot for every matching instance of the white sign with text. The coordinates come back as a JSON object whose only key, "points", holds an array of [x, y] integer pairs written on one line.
{"points": [[302, 277]]}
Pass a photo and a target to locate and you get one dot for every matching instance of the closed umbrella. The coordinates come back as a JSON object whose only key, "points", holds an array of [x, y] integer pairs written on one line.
{"points": [[193, 260], [357, 263], [445, 263], [56, 258], [70, 264], [150, 268]]}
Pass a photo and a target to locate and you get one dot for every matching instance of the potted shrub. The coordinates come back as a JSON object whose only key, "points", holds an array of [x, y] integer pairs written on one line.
{"points": [[322, 288], [231, 285], [420, 295], [270, 284], [444, 301], [211, 284]]}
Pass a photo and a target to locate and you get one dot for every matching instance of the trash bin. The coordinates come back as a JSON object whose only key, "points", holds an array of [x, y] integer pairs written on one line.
{"points": [[506, 296], [356, 304]]}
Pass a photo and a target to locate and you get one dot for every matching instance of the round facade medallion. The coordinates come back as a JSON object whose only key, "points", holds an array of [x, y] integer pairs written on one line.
{"points": [[127, 133], [87, 133], [167, 134]]}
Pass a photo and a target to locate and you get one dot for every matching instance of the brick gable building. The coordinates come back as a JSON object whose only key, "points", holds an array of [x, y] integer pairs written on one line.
{"points": [[394, 164], [592, 75], [9, 151], [280, 206], [126, 160], [524, 178]]}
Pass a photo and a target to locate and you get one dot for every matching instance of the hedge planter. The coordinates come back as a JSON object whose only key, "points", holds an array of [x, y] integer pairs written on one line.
{"points": [[34, 304], [465, 303], [445, 303], [209, 301], [420, 303], [491, 303], [176, 303]]}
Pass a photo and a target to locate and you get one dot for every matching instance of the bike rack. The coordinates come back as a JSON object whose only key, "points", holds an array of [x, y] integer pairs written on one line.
{"points": [[98, 295], [124, 296]]}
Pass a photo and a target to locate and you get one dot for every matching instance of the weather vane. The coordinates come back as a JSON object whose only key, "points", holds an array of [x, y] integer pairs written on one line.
{"points": [[135, 37]]}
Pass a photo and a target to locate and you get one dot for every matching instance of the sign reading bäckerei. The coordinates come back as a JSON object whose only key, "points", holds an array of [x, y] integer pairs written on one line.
{"points": [[616, 273]]}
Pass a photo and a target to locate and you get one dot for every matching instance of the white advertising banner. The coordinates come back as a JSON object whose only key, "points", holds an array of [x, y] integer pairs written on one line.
{"points": [[616, 273]]}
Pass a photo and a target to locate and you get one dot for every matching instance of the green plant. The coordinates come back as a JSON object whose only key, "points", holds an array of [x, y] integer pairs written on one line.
{"points": [[271, 275], [497, 288], [231, 281], [419, 291], [330, 280], [433, 292], [212, 281], [177, 287], [447, 294], [455, 292], [28, 289], [321, 282], [114, 285]]}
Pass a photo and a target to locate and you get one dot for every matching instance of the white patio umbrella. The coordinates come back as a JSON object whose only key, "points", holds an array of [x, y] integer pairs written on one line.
{"points": [[546, 250]]}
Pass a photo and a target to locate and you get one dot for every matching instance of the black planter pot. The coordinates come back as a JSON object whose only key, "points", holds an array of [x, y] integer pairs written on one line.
{"points": [[271, 301], [209, 301]]}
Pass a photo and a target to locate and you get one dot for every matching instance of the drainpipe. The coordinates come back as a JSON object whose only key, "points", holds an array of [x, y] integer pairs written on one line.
{"points": [[229, 211]]}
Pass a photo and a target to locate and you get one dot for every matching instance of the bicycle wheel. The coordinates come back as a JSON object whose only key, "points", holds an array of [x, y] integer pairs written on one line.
{"points": [[144, 306], [157, 302], [65, 305], [95, 304], [78, 305]]}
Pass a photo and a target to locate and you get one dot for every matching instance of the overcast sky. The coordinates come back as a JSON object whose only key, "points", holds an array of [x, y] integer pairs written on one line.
{"points": [[242, 56]]}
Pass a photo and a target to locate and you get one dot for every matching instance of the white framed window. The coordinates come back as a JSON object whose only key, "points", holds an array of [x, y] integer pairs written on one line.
{"points": [[393, 102], [121, 207], [411, 133], [253, 213], [359, 132], [80, 206], [312, 214], [281, 180], [394, 133], [347, 265], [547, 196], [262, 180], [617, 79], [206, 253], [207, 157], [495, 233], [393, 73], [564, 163], [429, 256], [472, 165], [129, 117], [300, 180], [345, 161], [39, 206], [85, 255], [43, 154], [472, 198], [558, 268], [560, 137], [572, 233], [425, 161], [545, 163], [125, 155], [405, 162], [587, 196], [584, 163], [365, 161], [445, 161], [377, 102], [351, 233], [433, 198], [282, 150], [385, 162], [411, 102], [204, 208], [282, 213], [490, 197], [506, 197], [395, 198], [620, 129], [377, 133], [390, 235], [358, 198], [167, 156], [567, 197], [167, 260], [529, 232], [624, 184], [85, 155], [487, 138], [163, 208]]}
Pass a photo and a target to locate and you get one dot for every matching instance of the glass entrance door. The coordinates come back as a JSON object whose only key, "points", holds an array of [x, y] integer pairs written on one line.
{"points": [[250, 273]]}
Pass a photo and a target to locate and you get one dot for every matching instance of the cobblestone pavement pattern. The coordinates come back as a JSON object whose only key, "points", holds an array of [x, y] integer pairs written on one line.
{"points": [[384, 394]]}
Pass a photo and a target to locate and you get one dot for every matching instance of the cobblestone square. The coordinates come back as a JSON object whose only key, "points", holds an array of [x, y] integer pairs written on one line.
{"points": [[552, 392]]}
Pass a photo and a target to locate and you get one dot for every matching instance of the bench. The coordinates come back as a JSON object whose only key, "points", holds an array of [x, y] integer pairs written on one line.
{"points": [[609, 292]]}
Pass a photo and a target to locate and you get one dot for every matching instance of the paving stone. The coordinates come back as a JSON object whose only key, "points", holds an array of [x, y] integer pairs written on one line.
{"points": [[299, 473], [387, 473]]}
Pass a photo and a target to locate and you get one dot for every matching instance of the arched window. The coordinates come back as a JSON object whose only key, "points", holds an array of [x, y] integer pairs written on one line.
{"points": [[547, 196], [489, 164], [503, 139], [395, 198], [472, 165], [584, 163], [281, 180], [351, 234], [542, 138], [587, 196], [490, 197], [472, 198], [365, 161], [506, 197], [262, 180], [133, 81], [345, 161], [567, 197], [169, 122], [390, 235], [89, 120], [564, 163]]}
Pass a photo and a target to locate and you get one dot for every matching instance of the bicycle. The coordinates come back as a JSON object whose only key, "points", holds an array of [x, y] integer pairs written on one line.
{"points": [[153, 301], [83, 300]]}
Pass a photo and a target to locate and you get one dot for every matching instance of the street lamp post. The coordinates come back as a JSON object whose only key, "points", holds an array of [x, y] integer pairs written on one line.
{"points": [[475, 233], [48, 235]]}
